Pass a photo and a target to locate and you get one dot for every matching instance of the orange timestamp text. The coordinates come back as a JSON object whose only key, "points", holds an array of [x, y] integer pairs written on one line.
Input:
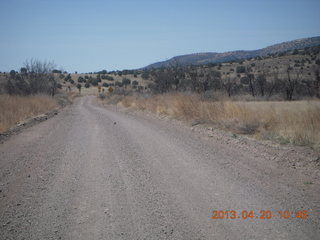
{"points": [[262, 214]]}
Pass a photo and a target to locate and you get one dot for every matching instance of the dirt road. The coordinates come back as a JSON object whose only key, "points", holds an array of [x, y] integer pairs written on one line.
{"points": [[96, 173]]}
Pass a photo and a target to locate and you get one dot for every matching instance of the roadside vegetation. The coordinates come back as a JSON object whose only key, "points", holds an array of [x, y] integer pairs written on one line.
{"points": [[270, 98], [27, 93], [15, 109], [296, 122]]}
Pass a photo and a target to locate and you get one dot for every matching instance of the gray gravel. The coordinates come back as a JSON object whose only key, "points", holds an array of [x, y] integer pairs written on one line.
{"points": [[97, 173]]}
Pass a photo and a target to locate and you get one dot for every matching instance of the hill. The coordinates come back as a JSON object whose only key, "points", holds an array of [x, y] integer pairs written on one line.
{"points": [[213, 57]]}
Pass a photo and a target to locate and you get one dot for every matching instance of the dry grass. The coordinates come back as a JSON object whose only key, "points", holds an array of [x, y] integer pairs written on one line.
{"points": [[285, 122], [14, 109]]}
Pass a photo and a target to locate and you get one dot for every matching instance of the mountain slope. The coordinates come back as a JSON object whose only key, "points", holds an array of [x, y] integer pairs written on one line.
{"points": [[213, 57]]}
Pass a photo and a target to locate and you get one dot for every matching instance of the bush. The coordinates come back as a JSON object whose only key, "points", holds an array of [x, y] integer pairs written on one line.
{"points": [[135, 83], [102, 96], [81, 79], [241, 69], [145, 76], [35, 77], [68, 78], [119, 84], [126, 81], [244, 80], [94, 82], [105, 85], [107, 77], [87, 85]]}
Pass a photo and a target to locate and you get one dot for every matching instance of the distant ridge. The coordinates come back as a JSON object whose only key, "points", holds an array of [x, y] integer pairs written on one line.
{"points": [[213, 57]]}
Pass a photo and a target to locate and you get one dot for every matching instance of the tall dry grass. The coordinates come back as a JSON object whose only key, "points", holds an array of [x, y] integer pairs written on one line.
{"points": [[285, 122], [14, 109]]}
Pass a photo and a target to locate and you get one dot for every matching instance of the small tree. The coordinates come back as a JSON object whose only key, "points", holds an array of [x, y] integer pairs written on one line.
{"points": [[261, 80], [119, 84], [241, 69], [135, 83], [145, 75], [35, 77], [79, 86], [126, 82]]}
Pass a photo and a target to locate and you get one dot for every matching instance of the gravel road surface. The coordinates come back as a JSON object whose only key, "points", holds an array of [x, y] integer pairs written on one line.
{"points": [[97, 173]]}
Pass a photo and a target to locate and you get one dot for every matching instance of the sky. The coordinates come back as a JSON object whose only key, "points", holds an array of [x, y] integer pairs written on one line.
{"points": [[92, 35]]}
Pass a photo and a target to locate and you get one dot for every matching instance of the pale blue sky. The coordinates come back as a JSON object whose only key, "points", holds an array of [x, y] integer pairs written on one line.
{"points": [[87, 36]]}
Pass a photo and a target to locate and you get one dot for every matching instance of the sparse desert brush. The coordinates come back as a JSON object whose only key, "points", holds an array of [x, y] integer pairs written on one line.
{"points": [[14, 109], [296, 122]]}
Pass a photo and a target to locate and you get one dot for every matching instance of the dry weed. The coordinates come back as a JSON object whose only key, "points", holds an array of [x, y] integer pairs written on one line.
{"points": [[14, 109], [297, 122]]}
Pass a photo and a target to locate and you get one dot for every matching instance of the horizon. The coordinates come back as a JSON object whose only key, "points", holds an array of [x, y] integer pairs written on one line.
{"points": [[91, 36]]}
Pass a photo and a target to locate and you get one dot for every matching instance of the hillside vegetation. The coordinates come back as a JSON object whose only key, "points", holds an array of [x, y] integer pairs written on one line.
{"points": [[287, 76], [213, 57]]}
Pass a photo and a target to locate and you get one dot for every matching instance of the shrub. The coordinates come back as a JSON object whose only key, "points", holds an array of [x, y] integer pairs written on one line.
{"points": [[102, 96], [241, 69], [145, 76], [126, 81], [94, 82], [68, 78], [87, 85], [119, 84], [81, 79], [105, 84], [35, 77], [135, 83]]}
